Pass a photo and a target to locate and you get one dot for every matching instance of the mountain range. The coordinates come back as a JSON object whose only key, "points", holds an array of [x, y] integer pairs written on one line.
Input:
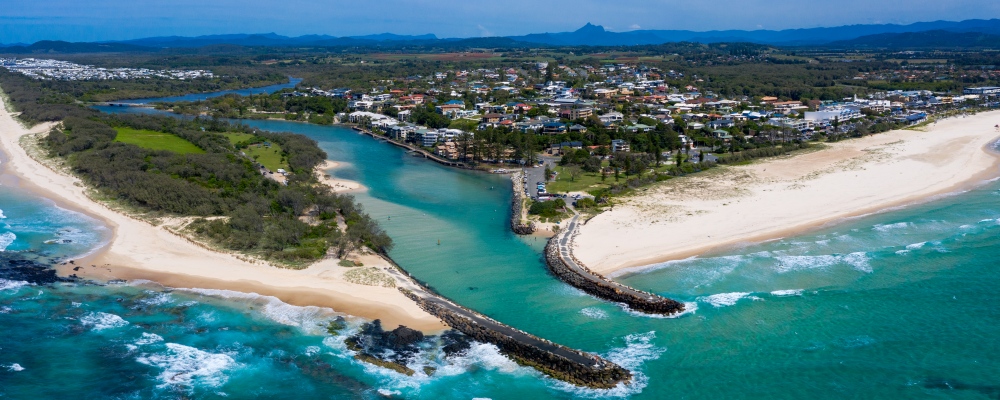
{"points": [[975, 33]]}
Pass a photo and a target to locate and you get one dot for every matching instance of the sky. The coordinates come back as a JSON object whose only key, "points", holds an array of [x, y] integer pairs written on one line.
{"points": [[27, 21]]}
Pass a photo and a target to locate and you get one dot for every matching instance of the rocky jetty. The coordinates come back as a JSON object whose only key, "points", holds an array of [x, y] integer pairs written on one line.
{"points": [[597, 285], [518, 223], [560, 362]]}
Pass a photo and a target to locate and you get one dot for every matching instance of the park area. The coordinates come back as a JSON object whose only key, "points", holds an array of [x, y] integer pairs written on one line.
{"points": [[154, 140]]}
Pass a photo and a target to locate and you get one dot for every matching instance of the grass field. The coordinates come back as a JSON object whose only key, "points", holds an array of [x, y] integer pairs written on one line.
{"points": [[586, 181], [235, 138], [156, 141], [268, 157]]}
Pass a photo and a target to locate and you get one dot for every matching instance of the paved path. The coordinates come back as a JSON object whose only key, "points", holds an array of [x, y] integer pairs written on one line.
{"points": [[565, 243]]}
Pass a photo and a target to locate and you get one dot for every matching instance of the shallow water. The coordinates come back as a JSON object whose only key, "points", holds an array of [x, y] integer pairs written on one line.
{"points": [[896, 305]]}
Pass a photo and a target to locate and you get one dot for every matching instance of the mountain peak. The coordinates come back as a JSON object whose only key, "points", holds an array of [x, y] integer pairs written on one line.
{"points": [[591, 28]]}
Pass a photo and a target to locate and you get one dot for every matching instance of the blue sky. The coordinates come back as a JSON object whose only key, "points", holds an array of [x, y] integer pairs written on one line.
{"points": [[91, 20]]}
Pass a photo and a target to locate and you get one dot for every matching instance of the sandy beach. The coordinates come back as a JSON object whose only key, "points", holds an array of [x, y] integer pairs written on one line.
{"points": [[338, 185], [783, 196], [139, 250]]}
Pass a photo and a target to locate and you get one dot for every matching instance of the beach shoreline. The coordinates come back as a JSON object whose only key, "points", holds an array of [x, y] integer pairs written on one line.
{"points": [[736, 206], [337, 185], [139, 250]]}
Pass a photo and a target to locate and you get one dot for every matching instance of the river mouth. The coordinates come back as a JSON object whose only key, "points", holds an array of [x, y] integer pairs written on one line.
{"points": [[835, 310]]}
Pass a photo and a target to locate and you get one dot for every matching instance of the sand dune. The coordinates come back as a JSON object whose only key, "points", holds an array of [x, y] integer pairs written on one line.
{"points": [[140, 250], [778, 197]]}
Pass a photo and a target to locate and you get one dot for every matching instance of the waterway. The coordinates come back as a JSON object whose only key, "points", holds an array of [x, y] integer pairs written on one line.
{"points": [[894, 305], [292, 82]]}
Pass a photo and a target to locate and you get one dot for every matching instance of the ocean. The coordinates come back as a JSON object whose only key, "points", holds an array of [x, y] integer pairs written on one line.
{"points": [[892, 305]]}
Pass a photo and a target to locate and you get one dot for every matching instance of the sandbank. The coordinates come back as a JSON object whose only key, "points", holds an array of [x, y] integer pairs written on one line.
{"points": [[788, 195], [337, 185], [140, 250]]}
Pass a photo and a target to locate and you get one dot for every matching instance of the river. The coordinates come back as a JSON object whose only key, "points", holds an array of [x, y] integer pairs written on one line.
{"points": [[894, 305]]}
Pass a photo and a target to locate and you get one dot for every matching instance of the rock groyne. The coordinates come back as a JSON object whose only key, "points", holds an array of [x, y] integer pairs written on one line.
{"points": [[560, 362], [559, 258], [518, 221]]}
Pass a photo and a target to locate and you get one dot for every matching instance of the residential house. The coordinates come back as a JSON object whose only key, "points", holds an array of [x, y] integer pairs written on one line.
{"points": [[619, 145]]}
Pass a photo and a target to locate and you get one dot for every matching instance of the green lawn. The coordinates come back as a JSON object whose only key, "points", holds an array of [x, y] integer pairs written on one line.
{"points": [[269, 157], [156, 141], [586, 181], [235, 138]]}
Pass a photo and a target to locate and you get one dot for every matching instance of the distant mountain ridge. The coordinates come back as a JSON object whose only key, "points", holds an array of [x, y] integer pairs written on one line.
{"points": [[596, 35], [272, 39], [922, 40], [976, 33]]}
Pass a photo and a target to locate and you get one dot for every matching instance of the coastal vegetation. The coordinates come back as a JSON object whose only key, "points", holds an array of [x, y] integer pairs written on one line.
{"points": [[201, 169]]}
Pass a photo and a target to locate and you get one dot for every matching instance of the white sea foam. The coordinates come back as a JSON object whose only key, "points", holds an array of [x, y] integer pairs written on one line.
{"points": [[916, 246], [689, 308], [156, 298], [312, 350], [308, 318], [2, 216], [787, 292], [594, 312], [187, 366], [639, 349], [6, 239], [890, 227], [723, 299], [798, 263], [148, 338], [12, 285], [99, 321], [15, 367], [859, 261]]}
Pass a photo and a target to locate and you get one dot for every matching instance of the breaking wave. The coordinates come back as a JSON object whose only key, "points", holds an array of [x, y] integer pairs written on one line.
{"points": [[99, 321], [308, 318], [594, 312], [187, 366], [6, 239], [788, 292], [12, 285], [639, 349], [723, 299]]}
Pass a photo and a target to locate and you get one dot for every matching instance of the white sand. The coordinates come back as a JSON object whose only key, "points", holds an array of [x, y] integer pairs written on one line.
{"points": [[338, 185], [732, 205], [143, 251]]}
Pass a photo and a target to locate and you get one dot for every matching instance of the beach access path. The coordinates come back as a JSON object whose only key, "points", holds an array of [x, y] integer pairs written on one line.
{"points": [[732, 205], [141, 250]]}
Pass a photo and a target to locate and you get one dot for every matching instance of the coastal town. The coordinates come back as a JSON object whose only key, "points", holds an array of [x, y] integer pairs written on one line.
{"points": [[39, 68], [601, 213]]}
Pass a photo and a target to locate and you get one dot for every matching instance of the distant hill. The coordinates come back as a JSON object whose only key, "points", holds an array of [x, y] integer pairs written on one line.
{"points": [[53, 46], [271, 40], [962, 34], [921, 40], [596, 35]]}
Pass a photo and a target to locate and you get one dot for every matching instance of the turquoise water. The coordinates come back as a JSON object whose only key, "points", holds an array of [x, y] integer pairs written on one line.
{"points": [[894, 305], [28, 223]]}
